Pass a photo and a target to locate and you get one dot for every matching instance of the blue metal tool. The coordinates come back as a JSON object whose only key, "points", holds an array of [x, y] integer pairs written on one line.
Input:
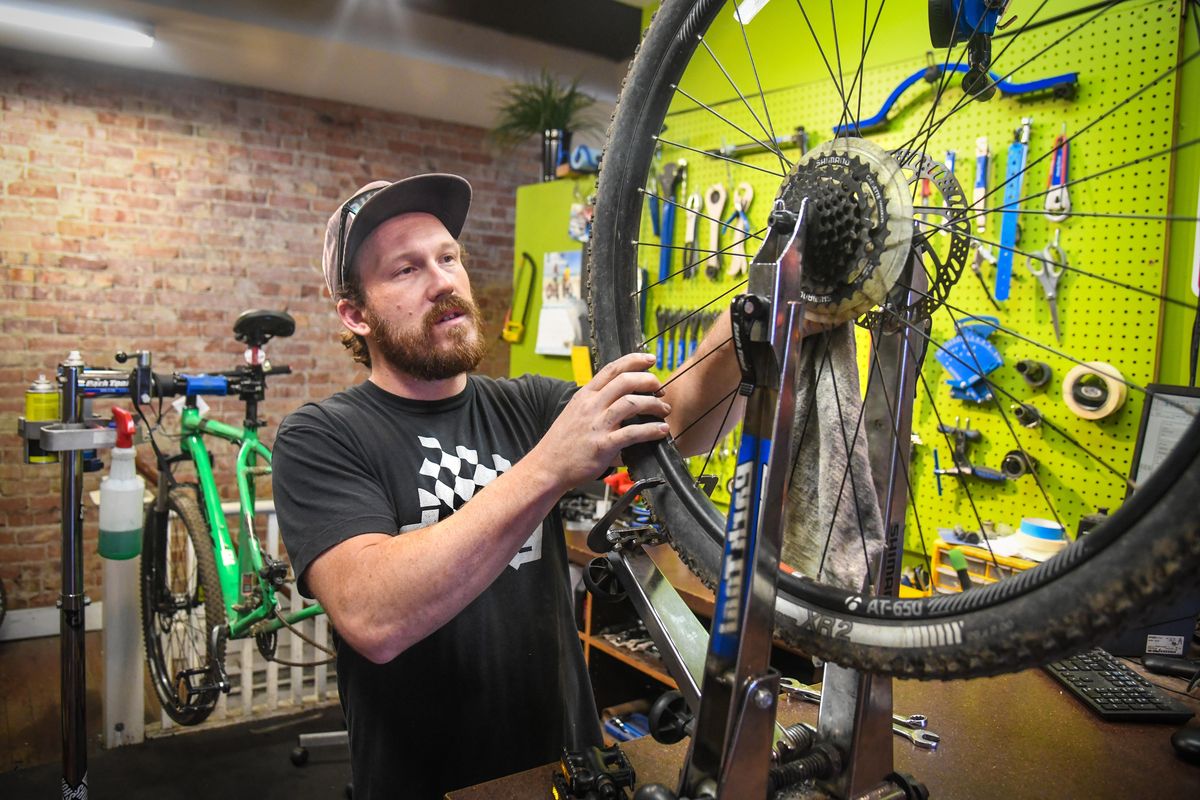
{"points": [[1014, 181]]}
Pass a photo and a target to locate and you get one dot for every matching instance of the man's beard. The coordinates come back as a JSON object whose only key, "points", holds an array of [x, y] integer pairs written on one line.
{"points": [[418, 353]]}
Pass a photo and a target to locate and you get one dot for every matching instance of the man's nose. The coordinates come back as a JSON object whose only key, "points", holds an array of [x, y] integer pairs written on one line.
{"points": [[440, 283]]}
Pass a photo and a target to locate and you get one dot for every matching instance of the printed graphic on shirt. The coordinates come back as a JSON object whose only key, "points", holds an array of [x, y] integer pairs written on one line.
{"points": [[449, 479]]}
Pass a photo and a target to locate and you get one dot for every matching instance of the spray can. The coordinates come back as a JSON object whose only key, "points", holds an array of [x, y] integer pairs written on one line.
{"points": [[121, 493], [41, 405]]}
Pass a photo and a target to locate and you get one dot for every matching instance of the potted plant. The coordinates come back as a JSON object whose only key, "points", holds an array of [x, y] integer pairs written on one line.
{"points": [[543, 107]]}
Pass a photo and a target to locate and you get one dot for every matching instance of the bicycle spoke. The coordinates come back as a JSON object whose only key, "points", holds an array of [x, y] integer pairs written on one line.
{"points": [[771, 145], [688, 367], [701, 214], [694, 312], [766, 132], [732, 398], [949, 447], [1049, 262], [966, 99], [903, 463], [1008, 423], [817, 41], [710, 154], [784, 164], [1165, 74], [973, 213], [1073, 213], [711, 254]]}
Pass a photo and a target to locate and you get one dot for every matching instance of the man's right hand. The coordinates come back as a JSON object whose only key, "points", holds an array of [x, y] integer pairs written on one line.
{"points": [[590, 433]]}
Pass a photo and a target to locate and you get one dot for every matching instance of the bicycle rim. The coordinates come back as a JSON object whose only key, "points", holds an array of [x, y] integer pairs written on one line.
{"points": [[1141, 553], [181, 603]]}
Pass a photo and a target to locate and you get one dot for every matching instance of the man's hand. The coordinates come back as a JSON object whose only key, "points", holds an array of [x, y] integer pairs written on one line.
{"points": [[589, 434]]}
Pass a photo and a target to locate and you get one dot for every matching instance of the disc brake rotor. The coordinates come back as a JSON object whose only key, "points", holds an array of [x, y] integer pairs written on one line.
{"points": [[942, 257]]}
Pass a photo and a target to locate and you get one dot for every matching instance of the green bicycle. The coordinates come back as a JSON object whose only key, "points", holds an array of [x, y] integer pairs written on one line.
{"points": [[200, 588]]}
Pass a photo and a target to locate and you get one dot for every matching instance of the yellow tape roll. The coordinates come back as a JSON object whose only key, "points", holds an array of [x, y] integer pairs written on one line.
{"points": [[1094, 390]]}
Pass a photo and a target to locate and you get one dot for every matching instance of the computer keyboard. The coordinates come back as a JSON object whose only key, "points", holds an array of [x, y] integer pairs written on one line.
{"points": [[1114, 691]]}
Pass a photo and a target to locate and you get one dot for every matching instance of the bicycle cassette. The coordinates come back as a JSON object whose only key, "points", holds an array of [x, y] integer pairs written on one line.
{"points": [[858, 227]]}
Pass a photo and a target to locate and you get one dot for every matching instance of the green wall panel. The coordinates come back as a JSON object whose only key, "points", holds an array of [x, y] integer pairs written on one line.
{"points": [[1116, 54], [543, 212]]}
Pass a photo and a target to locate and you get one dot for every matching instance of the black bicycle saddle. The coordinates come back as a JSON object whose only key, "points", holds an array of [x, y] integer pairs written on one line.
{"points": [[258, 326]]}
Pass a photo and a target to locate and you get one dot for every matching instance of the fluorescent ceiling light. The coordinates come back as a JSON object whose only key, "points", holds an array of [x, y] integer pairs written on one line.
{"points": [[63, 23]]}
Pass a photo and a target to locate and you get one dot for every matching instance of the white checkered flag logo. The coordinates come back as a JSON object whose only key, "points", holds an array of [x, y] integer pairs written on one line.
{"points": [[455, 479]]}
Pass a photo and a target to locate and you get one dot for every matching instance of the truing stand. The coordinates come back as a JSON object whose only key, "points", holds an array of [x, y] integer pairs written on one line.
{"points": [[732, 689]]}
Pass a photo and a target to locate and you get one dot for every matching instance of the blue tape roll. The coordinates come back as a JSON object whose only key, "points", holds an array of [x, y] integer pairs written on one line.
{"points": [[1041, 528]]}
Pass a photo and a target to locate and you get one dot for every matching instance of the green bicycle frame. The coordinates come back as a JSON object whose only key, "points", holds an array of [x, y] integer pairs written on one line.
{"points": [[250, 601]]}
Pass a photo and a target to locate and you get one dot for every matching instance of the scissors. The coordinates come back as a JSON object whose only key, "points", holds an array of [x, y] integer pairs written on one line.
{"points": [[1048, 269]]}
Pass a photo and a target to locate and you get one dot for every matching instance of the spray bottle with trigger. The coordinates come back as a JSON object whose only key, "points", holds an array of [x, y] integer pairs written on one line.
{"points": [[121, 495]]}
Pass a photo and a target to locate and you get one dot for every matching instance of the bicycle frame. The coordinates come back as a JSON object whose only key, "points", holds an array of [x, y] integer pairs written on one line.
{"points": [[250, 601]]}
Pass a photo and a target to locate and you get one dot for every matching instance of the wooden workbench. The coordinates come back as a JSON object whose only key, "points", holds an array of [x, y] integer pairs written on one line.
{"points": [[1013, 737]]}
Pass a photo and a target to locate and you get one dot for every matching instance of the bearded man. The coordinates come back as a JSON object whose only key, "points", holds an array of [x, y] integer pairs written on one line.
{"points": [[419, 507]]}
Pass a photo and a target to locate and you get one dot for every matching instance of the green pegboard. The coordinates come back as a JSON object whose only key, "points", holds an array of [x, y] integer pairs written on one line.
{"points": [[1115, 54], [543, 214]]}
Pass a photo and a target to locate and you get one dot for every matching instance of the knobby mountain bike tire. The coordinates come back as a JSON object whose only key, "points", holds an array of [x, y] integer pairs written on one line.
{"points": [[181, 604], [1146, 552]]}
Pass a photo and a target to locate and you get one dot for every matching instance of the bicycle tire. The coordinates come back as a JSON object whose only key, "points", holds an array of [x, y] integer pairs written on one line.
{"points": [[181, 604], [1142, 554]]}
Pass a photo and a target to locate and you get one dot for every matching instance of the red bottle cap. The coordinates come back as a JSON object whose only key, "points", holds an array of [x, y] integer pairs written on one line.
{"points": [[126, 427]]}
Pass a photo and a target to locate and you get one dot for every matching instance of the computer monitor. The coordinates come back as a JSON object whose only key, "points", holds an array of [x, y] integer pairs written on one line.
{"points": [[1166, 416]]}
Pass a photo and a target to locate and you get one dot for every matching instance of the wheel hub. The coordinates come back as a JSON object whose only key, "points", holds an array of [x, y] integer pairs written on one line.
{"points": [[858, 226]]}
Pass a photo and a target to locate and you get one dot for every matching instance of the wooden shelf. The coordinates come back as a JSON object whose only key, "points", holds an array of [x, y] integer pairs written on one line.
{"points": [[650, 665]]}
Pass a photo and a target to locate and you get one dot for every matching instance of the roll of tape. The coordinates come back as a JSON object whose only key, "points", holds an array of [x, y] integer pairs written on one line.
{"points": [[1041, 528], [1094, 390]]}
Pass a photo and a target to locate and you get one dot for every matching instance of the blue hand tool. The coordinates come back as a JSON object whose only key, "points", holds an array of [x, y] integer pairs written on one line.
{"points": [[1014, 180]]}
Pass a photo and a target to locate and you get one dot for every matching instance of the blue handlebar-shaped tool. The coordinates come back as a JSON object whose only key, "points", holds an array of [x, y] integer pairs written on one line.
{"points": [[1005, 87]]}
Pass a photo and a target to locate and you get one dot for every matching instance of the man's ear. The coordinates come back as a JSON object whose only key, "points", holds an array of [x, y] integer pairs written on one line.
{"points": [[352, 317]]}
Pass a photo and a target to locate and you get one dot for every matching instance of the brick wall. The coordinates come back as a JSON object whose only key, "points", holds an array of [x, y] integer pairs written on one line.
{"points": [[140, 211]]}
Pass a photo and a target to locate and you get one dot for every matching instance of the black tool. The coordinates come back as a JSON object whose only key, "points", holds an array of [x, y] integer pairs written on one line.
{"points": [[1036, 373], [963, 438], [1017, 463]]}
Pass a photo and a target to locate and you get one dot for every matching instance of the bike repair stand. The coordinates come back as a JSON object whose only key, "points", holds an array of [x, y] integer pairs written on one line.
{"points": [[69, 438], [732, 689]]}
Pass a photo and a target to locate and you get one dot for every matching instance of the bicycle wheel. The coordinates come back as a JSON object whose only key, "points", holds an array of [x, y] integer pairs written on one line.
{"points": [[700, 79], [181, 604]]}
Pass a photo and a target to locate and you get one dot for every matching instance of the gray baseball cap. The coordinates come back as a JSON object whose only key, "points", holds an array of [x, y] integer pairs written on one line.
{"points": [[447, 197]]}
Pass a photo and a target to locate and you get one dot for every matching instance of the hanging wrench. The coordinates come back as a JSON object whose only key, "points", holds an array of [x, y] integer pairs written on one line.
{"points": [[691, 255], [1058, 201], [714, 206]]}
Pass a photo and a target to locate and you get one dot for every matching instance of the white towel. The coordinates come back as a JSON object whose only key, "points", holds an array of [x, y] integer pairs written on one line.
{"points": [[821, 487]]}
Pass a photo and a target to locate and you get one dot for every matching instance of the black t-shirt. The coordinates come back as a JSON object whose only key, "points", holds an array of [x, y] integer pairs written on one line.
{"points": [[500, 688]]}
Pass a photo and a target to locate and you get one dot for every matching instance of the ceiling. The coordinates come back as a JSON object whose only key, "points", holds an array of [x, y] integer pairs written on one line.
{"points": [[444, 59]]}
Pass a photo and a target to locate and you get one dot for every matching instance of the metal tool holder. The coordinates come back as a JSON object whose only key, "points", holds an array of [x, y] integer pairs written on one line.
{"points": [[726, 678], [69, 438]]}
